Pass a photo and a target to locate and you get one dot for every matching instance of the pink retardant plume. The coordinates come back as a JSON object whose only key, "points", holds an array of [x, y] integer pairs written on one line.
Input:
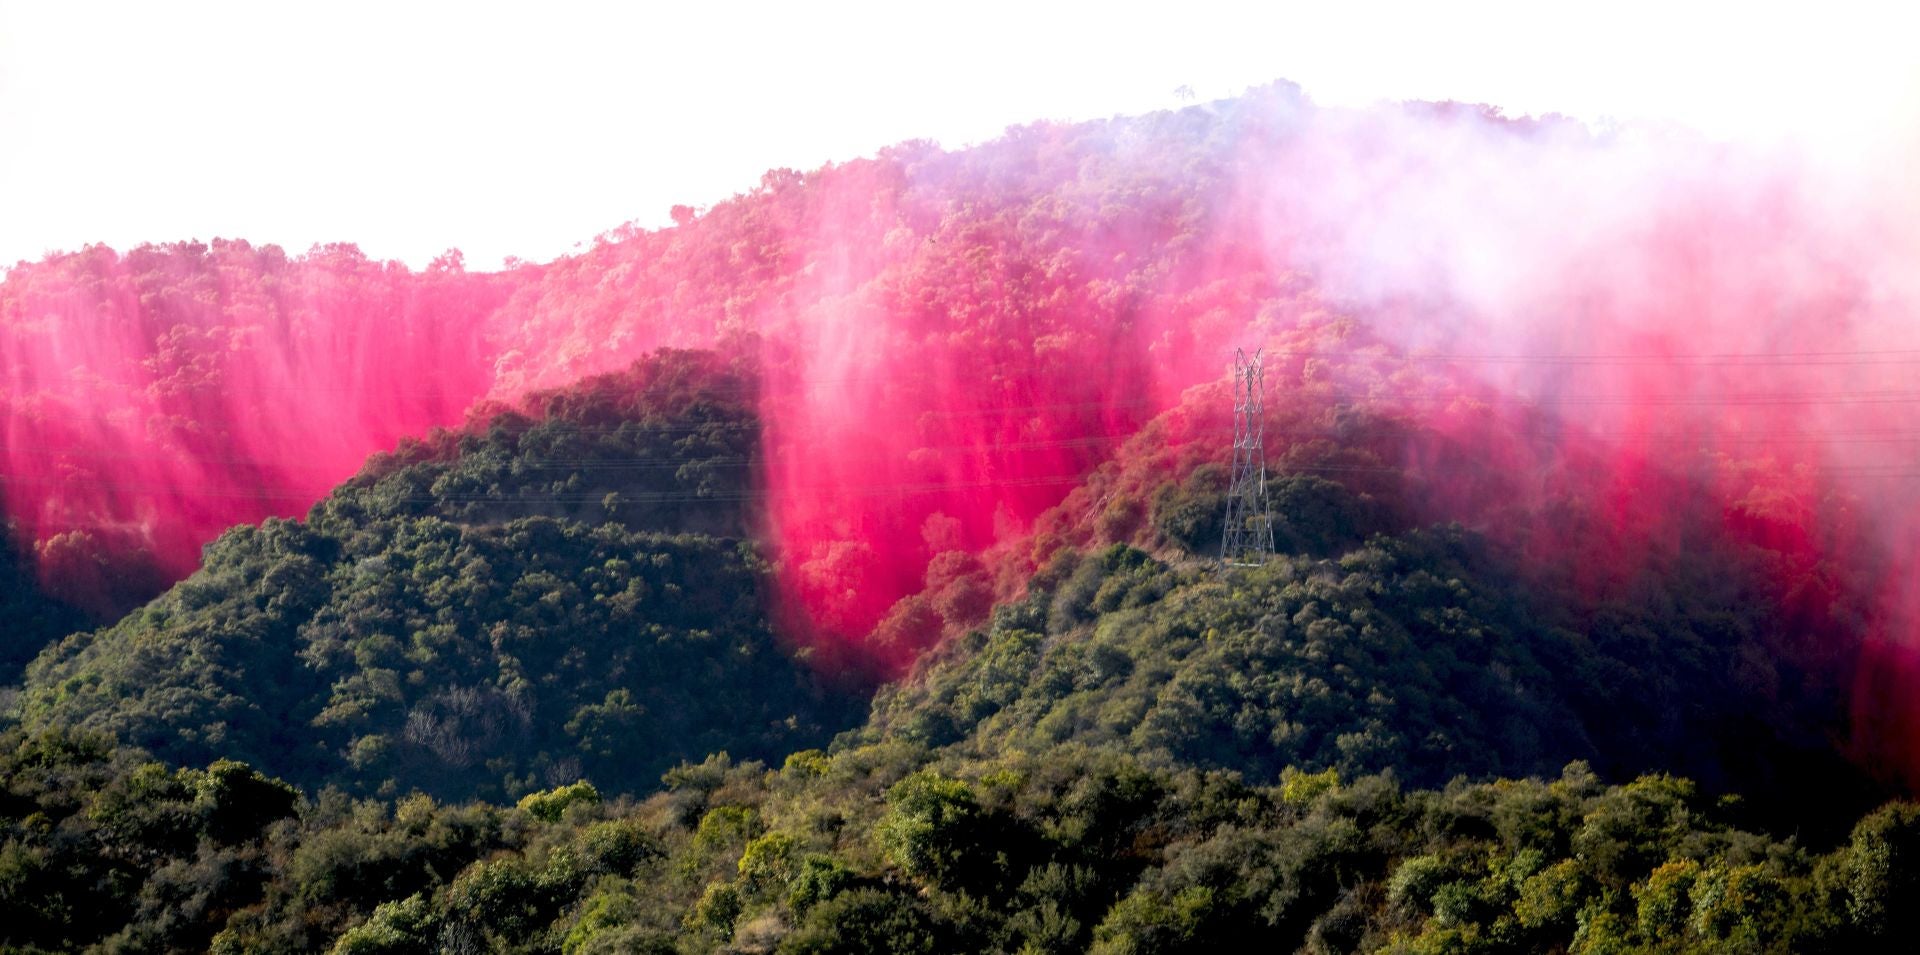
{"points": [[151, 400], [1595, 348], [950, 342], [953, 341]]}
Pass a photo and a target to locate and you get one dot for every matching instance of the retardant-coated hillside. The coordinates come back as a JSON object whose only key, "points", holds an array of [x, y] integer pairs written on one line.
{"points": [[951, 339], [149, 400]]}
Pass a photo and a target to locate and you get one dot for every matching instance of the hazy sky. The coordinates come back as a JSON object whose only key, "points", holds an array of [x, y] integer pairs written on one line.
{"points": [[523, 129]]}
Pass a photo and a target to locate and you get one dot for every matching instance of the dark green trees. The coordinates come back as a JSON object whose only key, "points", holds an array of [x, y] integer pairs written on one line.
{"points": [[517, 605]]}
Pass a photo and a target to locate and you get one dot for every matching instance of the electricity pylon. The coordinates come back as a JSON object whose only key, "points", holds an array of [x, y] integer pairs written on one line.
{"points": [[1248, 539]]}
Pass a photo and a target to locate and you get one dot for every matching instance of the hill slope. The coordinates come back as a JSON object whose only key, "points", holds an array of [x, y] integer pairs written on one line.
{"points": [[963, 425], [537, 597], [1139, 754]]}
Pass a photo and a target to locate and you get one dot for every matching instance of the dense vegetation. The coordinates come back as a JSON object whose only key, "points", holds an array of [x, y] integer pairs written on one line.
{"points": [[519, 685], [1418, 653], [556, 606], [552, 592], [891, 848]]}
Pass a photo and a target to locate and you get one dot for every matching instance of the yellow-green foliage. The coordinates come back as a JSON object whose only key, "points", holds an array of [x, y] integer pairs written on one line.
{"points": [[549, 806]]}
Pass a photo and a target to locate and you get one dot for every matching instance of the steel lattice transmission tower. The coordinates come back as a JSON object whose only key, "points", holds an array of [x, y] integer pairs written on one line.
{"points": [[1249, 531]]}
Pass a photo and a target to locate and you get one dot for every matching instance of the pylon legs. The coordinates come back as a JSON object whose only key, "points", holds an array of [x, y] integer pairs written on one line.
{"points": [[1248, 535]]}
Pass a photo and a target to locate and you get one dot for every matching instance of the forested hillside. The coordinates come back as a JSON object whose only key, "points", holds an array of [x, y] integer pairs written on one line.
{"points": [[559, 590], [1018, 309], [1418, 654], [570, 589], [890, 848], [550, 609], [835, 571]]}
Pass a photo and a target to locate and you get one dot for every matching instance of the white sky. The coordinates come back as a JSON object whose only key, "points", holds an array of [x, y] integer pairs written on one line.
{"points": [[523, 129]]}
